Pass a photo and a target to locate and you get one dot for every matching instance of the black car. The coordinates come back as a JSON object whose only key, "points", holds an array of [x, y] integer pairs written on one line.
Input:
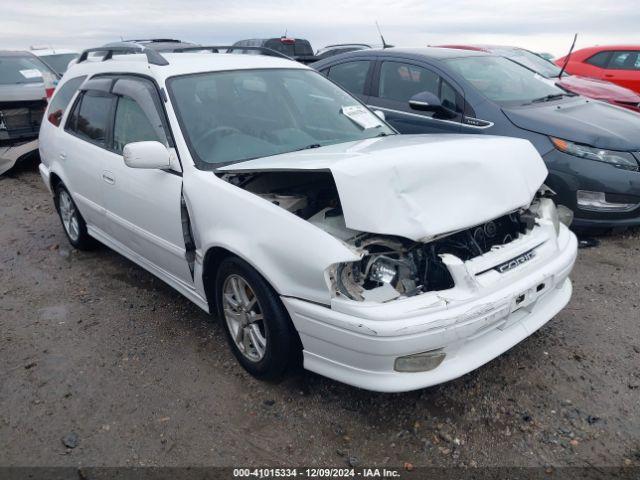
{"points": [[592, 149], [298, 49], [338, 48]]}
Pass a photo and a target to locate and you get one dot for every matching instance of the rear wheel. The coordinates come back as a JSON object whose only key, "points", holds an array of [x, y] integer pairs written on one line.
{"points": [[256, 323], [74, 225]]}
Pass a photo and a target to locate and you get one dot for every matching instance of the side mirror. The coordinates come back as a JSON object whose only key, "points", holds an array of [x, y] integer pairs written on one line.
{"points": [[425, 102], [380, 114], [429, 102], [151, 155]]}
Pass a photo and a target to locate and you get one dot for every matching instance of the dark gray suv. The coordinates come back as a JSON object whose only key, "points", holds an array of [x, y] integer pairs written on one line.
{"points": [[592, 149]]}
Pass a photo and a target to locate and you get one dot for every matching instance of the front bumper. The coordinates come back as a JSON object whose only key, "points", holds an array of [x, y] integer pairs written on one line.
{"points": [[9, 155], [568, 174], [360, 347]]}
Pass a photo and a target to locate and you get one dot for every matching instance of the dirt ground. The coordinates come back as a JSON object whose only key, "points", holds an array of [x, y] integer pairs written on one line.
{"points": [[98, 354]]}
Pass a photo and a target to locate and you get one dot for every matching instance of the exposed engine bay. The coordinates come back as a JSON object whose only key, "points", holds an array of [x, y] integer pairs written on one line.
{"points": [[390, 266]]}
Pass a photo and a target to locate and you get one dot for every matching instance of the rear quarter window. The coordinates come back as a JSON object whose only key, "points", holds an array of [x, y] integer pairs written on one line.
{"points": [[62, 98], [600, 59]]}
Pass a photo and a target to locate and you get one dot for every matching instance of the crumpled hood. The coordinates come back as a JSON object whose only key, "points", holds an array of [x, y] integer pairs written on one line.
{"points": [[420, 186], [580, 120], [600, 89]]}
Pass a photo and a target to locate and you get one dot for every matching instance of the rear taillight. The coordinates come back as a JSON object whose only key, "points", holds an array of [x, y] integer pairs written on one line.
{"points": [[55, 117], [49, 92]]}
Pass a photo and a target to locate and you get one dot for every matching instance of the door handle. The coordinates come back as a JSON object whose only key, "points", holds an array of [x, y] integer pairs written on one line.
{"points": [[607, 75], [108, 177], [63, 156]]}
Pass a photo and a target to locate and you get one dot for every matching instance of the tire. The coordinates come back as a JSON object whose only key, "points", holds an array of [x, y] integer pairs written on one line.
{"points": [[266, 314], [74, 226]]}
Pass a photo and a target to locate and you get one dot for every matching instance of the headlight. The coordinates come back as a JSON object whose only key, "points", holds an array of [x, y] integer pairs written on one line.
{"points": [[618, 159]]}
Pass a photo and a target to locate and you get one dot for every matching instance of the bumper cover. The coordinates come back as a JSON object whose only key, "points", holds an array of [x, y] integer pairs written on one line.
{"points": [[9, 155], [361, 351]]}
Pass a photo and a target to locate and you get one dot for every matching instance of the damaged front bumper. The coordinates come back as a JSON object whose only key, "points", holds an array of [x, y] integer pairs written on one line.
{"points": [[484, 315], [10, 154]]}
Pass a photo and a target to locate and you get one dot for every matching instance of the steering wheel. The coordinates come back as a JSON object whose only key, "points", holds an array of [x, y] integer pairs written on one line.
{"points": [[222, 131]]}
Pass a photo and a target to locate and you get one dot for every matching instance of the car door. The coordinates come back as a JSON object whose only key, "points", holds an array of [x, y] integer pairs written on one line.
{"points": [[83, 150], [624, 69], [143, 206], [396, 81], [354, 76]]}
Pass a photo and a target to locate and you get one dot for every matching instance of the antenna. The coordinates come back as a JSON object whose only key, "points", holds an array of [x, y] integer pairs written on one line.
{"points": [[566, 59], [384, 43]]}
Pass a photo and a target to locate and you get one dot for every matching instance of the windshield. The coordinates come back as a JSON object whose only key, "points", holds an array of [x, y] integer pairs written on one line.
{"points": [[530, 60], [20, 69], [504, 81], [59, 62], [234, 116]]}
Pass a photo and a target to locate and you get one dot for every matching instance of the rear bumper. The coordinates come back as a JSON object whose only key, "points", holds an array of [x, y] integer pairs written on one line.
{"points": [[9, 155], [361, 351]]}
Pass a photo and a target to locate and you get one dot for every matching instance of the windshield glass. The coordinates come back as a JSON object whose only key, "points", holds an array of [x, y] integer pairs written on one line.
{"points": [[502, 80], [530, 60], [20, 69], [59, 62], [234, 116]]}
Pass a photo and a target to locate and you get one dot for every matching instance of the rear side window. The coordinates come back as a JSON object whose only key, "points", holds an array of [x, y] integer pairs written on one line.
{"points": [[600, 59], [625, 61], [401, 81], [61, 99], [91, 117], [351, 76]]}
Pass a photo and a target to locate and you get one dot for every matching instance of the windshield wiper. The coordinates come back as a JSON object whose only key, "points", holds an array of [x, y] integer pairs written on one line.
{"points": [[308, 147], [549, 98]]}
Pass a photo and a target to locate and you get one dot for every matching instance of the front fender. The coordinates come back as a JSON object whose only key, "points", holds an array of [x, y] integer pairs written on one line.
{"points": [[290, 253]]}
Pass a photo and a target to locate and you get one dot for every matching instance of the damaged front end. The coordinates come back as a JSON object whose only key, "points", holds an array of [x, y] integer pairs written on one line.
{"points": [[391, 267], [394, 267]]}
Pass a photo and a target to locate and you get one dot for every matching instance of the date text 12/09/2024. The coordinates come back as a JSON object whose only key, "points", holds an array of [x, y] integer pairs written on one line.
{"points": [[315, 473]]}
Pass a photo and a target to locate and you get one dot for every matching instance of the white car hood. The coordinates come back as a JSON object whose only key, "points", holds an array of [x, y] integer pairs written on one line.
{"points": [[420, 186]]}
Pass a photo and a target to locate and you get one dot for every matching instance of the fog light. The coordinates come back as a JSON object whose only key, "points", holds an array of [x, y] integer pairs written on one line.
{"points": [[596, 202], [419, 362], [565, 215]]}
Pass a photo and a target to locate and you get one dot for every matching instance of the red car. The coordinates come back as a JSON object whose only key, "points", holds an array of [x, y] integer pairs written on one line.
{"points": [[585, 86], [619, 64]]}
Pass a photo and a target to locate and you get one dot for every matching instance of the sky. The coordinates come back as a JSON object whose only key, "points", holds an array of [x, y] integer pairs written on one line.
{"points": [[541, 25]]}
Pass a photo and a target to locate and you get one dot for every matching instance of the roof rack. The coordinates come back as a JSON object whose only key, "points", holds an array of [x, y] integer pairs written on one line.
{"points": [[153, 57], [229, 48]]}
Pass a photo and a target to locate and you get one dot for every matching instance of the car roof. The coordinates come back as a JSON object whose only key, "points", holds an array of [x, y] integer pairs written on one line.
{"points": [[611, 47], [38, 52], [16, 53], [436, 53], [180, 64]]}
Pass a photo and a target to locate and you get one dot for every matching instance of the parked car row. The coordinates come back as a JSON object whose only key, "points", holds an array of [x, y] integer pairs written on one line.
{"points": [[286, 201], [592, 149]]}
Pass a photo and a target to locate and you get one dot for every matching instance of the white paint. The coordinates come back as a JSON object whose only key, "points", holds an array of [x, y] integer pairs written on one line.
{"points": [[413, 186]]}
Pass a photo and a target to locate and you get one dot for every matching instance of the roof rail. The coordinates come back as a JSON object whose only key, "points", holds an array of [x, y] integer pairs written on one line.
{"points": [[153, 57], [229, 48]]}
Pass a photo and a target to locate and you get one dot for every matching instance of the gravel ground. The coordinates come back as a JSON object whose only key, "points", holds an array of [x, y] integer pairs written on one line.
{"points": [[104, 365]]}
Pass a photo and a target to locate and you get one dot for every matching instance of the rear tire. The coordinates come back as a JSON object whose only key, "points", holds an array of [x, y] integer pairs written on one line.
{"points": [[72, 222], [257, 325]]}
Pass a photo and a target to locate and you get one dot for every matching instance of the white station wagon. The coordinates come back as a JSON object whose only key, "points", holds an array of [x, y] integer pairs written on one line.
{"points": [[269, 196]]}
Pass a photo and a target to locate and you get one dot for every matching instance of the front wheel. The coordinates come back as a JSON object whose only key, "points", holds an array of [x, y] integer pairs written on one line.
{"points": [[256, 323], [72, 221]]}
